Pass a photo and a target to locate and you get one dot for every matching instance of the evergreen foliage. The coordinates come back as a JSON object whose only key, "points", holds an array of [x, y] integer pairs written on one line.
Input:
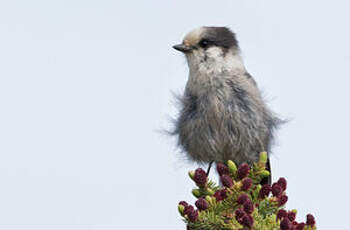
{"points": [[241, 202]]}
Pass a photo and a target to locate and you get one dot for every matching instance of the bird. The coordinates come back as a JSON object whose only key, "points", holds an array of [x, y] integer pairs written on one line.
{"points": [[222, 115]]}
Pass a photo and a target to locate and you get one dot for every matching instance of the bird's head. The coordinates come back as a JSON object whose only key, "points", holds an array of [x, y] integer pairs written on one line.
{"points": [[207, 47]]}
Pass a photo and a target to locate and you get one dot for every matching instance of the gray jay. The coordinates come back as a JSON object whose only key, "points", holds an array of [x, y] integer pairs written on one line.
{"points": [[223, 115]]}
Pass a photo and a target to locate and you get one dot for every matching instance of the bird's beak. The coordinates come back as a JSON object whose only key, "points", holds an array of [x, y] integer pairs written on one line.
{"points": [[183, 48]]}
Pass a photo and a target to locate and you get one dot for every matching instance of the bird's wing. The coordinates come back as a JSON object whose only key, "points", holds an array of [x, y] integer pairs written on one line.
{"points": [[250, 78]]}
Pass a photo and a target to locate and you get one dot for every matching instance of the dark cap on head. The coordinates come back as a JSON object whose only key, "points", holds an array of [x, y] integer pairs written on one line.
{"points": [[205, 37], [220, 36]]}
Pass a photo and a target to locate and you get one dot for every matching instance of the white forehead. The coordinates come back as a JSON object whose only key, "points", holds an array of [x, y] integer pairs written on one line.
{"points": [[194, 36]]}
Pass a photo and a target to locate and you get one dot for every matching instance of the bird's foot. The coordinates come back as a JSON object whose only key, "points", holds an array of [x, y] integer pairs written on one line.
{"points": [[208, 170]]}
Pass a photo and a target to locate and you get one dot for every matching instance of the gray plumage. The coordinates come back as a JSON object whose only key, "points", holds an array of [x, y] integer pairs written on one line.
{"points": [[223, 115]]}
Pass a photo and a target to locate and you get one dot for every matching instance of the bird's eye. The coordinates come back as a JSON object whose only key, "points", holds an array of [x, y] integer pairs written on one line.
{"points": [[204, 43]]}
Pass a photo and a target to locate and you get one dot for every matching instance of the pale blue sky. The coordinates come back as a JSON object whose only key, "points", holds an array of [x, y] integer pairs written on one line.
{"points": [[85, 85]]}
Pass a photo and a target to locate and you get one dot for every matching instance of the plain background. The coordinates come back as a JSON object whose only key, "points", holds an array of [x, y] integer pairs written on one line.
{"points": [[86, 85]]}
